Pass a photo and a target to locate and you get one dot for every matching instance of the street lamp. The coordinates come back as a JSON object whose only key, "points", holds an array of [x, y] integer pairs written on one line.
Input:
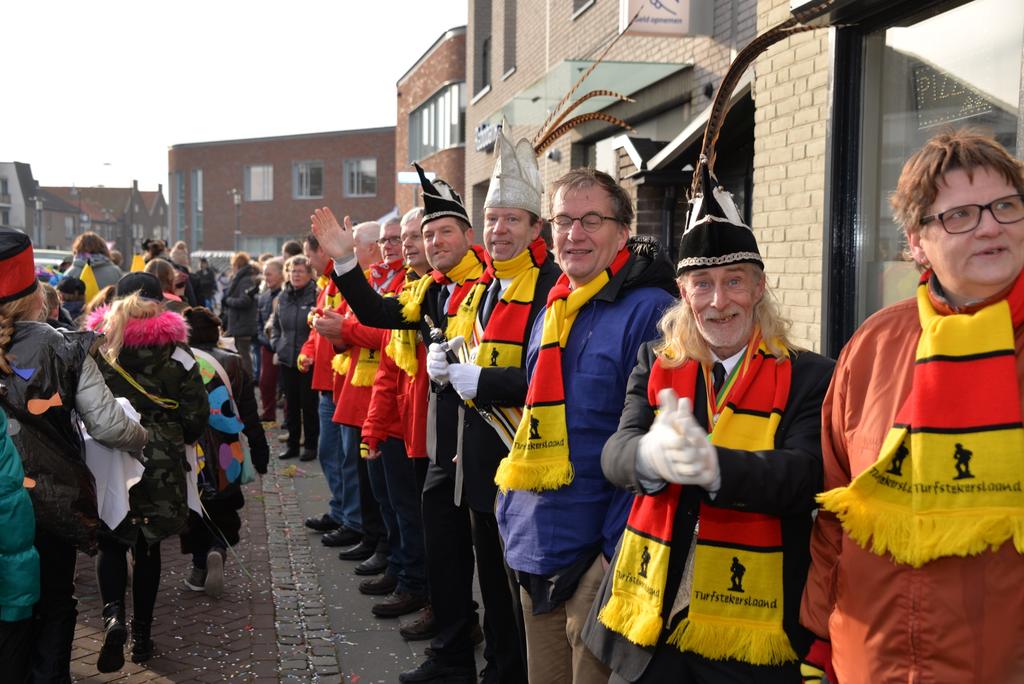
{"points": [[236, 197]]}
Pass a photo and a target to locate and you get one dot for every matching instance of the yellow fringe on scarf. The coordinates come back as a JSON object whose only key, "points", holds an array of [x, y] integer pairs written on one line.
{"points": [[751, 642], [340, 364], [633, 620], [402, 345]]}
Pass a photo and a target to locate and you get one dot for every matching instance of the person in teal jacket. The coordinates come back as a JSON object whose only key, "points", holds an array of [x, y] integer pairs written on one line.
{"points": [[19, 561]]}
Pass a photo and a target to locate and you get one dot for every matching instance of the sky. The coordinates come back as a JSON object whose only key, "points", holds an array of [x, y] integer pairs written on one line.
{"points": [[105, 87]]}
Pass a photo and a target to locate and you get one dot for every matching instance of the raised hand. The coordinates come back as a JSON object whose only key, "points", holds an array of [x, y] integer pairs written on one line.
{"points": [[335, 239]]}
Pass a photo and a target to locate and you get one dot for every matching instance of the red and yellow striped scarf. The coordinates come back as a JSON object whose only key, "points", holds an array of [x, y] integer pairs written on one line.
{"points": [[539, 458], [736, 600], [949, 474], [385, 278], [465, 275]]}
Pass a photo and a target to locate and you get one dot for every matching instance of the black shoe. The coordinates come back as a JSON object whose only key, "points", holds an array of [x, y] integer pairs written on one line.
{"points": [[343, 536], [399, 604], [378, 586], [289, 453], [421, 629], [308, 455], [323, 523], [142, 644], [476, 636], [115, 633], [432, 670], [359, 552], [374, 565]]}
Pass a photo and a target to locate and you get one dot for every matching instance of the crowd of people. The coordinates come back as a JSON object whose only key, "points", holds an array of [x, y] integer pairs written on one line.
{"points": [[647, 478]]}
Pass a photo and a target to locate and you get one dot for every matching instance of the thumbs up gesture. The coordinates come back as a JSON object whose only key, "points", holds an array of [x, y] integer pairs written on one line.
{"points": [[676, 449]]}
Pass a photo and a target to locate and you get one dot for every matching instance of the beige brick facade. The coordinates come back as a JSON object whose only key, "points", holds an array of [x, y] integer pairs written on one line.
{"points": [[791, 111]]}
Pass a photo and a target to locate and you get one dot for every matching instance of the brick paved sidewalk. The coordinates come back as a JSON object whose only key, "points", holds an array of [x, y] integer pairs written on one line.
{"points": [[268, 628]]}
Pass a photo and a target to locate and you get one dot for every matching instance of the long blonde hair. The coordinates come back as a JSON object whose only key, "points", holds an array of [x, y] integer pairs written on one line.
{"points": [[21, 309], [132, 307], [682, 340]]}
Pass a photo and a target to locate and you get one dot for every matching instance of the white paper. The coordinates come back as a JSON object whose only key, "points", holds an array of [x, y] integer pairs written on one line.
{"points": [[115, 473]]}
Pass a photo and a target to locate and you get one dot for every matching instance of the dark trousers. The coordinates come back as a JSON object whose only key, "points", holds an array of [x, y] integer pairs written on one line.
{"points": [[268, 384], [395, 485], [55, 615], [302, 419], [112, 573], [16, 650], [671, 664], [374, 530], [452, 535]]}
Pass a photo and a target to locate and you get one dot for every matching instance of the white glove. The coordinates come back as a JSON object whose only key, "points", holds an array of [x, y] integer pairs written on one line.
{"points": [[676, 448], [464, 378], [437, 358]]}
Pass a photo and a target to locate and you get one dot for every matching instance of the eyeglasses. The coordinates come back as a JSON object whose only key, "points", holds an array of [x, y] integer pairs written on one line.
{"points": [[590, 221], [1009, 209], [390, 241]]}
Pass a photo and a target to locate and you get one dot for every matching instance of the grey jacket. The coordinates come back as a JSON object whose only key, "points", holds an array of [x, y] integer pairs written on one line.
{"points": [[105, 271], [242, 312], [291, 328]]}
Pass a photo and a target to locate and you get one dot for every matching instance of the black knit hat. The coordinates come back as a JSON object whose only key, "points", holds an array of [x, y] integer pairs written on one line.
{"points": [[144, 283], [440, 199], [715, 234]]}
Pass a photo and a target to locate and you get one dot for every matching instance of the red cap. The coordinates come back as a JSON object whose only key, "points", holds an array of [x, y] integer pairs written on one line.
{"points": [[17, 263]]}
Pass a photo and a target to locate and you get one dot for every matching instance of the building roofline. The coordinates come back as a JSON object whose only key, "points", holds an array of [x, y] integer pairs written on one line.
{"points": [[450, 33], [273, 138]]}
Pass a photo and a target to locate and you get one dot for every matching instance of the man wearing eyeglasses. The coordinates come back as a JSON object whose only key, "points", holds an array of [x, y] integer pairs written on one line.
{"points": [[915, 562], [560, 518]]}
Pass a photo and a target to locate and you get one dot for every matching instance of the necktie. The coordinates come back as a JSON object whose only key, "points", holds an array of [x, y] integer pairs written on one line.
{"points": [[718, 374], [490, 301], [442, 306]]}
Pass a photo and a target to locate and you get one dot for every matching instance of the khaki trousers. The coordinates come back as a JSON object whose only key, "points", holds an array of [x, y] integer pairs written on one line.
{"points": [[554, 646]]}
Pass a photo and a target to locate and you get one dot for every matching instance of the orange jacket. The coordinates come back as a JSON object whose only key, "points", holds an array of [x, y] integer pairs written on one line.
{"points": [[952, 620], [352, 401], [316, 347]]}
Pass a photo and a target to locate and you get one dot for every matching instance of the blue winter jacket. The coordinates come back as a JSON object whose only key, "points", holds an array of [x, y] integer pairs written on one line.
{"points": [[549, 531], [19, 561]]}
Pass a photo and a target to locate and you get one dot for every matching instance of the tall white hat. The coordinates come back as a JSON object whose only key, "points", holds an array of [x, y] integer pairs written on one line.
{"points": [[515, 181]]}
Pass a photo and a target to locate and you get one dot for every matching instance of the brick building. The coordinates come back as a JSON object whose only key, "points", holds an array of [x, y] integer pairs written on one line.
{"points": [[431, 128], [255, 194], [810, 159], [122, 216]]}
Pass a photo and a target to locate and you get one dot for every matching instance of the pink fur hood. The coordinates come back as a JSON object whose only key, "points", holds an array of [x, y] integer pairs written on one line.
{"points": [[166, 328]]}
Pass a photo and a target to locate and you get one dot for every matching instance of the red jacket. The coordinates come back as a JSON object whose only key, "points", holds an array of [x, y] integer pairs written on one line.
{"points": [[352, 401], [398, 405], [316, 347]]}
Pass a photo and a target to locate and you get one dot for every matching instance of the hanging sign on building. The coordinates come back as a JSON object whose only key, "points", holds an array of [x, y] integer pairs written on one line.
{"points": [[666, 17]]}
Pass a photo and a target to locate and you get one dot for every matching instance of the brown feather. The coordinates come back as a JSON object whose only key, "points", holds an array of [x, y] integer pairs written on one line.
{"points": [[576, 121], [593, 93]]}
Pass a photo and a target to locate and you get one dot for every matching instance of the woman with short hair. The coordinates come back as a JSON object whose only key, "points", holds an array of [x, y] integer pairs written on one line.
{"points": [[290, 330], [916, 556], [89, 248]]}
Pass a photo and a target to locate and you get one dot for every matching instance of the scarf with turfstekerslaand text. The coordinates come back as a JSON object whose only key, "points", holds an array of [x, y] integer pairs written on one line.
{"points": [[501, 343], [736, 602], [539, 458], [947, 481], [465, 275], [385, 278]]}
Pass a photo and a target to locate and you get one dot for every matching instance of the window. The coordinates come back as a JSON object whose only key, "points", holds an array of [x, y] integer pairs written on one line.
{"points": [[307, 179], [179, 204], [481, 45], [930, 74], [510, 36], [5, 193], [69, 227], [5, 217], [360, 177], [197, 208], [438, 123], [259, 183]]}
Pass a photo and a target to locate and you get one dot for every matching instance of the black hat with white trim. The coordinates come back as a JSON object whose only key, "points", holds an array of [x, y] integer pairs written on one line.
{"points": [[440, 199]]}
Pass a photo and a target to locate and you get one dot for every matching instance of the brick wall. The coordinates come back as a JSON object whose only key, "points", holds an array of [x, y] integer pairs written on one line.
{"points": [[223, 165], [442, 64], [547, 34], [791, 111]]}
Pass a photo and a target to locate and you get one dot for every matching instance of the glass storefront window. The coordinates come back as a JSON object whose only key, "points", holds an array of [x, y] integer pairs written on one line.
{"points": [[957, 68]]}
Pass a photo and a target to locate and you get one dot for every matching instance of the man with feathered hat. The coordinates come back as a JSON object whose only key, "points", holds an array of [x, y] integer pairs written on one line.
{"points": [[720, 441]]}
